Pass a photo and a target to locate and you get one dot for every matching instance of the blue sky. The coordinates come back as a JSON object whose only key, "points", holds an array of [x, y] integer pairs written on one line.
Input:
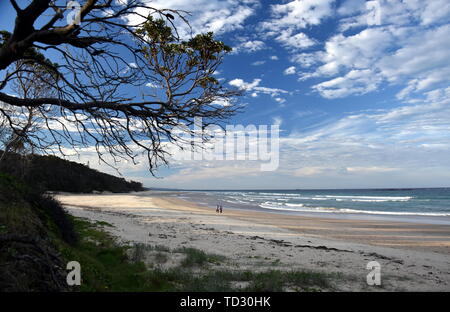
{"points": [[361, 92]]}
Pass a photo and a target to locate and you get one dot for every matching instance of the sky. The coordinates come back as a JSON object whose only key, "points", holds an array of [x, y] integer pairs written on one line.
{"points": [[359, 89]]}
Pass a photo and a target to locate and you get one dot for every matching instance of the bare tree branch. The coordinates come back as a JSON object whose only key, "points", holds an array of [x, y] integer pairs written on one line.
{"points": [[121, 80]]}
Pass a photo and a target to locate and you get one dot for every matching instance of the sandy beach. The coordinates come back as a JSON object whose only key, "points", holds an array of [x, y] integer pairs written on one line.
{"points": [[413, 257]]}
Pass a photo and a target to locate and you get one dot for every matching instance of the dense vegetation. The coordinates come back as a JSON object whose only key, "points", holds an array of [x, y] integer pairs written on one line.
{"points": [[29, 223], [50, 173], [36, 234]]}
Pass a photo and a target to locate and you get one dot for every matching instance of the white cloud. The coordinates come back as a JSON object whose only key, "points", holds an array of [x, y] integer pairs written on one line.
{"points": [[222, 102], [258, 63], [241, 84], [435, 11], [298, 14], [406, 126], [406, 49], [151, 85], [250, 46], [288, 19], [307, 59], [189, 175], [350, 7], [255, 88], [422, 62], [365, 170], [358, 51], [309, 171], [396, 53], [290, 70], [385, 145], [280, 100], [277, 120], [218, 16], [297, 41], [355, 82]]}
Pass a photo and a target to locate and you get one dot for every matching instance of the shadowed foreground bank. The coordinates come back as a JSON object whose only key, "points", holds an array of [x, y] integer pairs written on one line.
{"points": [[30, 224]]}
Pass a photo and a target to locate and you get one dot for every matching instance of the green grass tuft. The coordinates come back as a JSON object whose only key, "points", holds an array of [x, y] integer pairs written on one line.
{"points": [[196, 257], [104, 263]]}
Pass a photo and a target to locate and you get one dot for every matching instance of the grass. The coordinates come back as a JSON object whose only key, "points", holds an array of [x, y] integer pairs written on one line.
{"points": [[104, 263], [106, 266], [104, 223], [161, 257], [139, 250], [275, 280], [198, 258], [215, 281]]}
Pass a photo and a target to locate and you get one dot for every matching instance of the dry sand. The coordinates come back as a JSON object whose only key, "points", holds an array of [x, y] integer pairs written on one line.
{"points": [[413, 257]]}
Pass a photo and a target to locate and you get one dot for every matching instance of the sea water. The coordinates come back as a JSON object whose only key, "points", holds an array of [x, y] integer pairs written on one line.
{"points": [[423, 202]]}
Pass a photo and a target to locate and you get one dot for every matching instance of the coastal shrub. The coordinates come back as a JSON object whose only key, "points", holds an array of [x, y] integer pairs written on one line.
{"points": [[248, 281], [270, 281], [309, 279], [51, 173], [53, 210], [50, 211], [276, 280], [215, 281], [138, 252], [28, 259], [161, 257], [103, 223], [11, 188], [196, 257], [159, 248], [166, 280], [105, 264]]}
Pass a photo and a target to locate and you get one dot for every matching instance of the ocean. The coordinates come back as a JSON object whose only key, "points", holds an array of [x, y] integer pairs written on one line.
{"points": [[423, 203]]}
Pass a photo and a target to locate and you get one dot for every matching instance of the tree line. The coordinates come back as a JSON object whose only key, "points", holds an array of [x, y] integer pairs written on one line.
{"points": [[51, 173]]}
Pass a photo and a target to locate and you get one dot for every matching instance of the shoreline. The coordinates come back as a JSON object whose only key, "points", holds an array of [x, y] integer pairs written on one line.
{"points": [[341, 227], [413, 257], [357, 216], [409, 217]]}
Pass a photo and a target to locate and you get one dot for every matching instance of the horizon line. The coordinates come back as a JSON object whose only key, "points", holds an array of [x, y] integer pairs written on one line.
{"points": [[304, 189]]}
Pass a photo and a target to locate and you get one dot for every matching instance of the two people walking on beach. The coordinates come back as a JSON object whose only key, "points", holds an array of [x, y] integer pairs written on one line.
{"points": [[219, 208]]}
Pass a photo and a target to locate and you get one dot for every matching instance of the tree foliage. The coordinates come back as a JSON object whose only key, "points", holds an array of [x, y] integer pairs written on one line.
{"points": [[119, 81], [50, 173]]}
